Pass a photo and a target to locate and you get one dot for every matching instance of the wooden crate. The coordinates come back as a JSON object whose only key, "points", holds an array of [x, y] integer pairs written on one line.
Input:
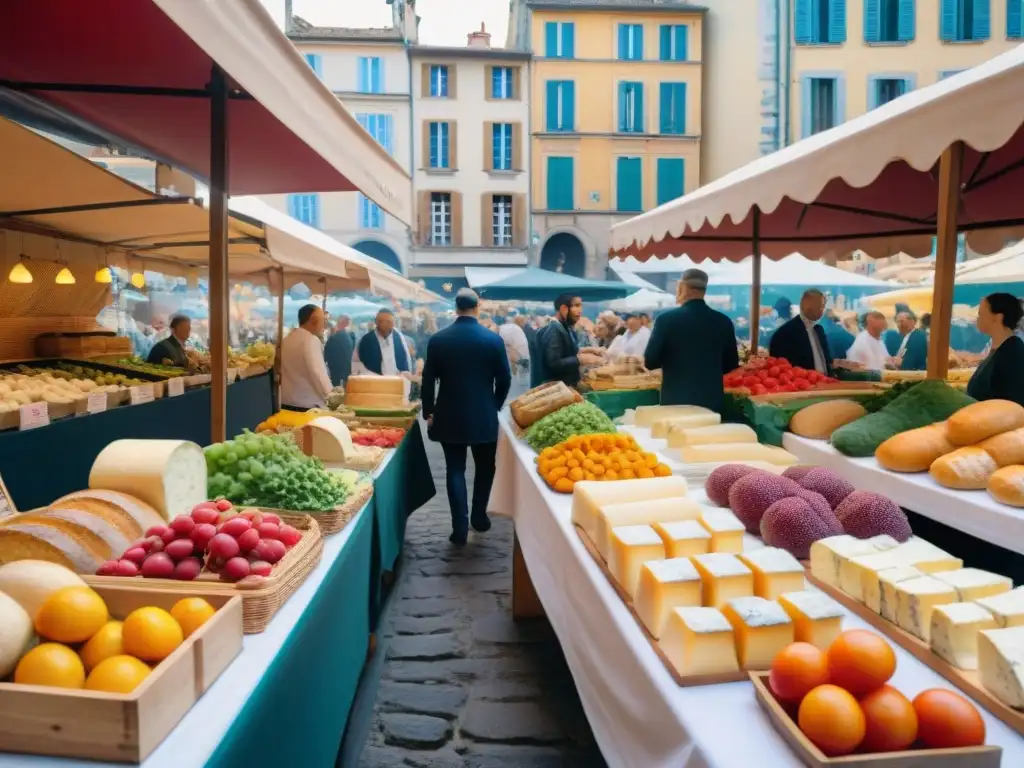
{"points": [[124, 728], [966, 757]]}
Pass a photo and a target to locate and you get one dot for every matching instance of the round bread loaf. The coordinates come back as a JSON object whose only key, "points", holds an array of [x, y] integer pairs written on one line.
{"points": [[92, 532], [965, 469], [978, 421], [131, 516], [1007, 485], [30, 541], [914, 450], [819, 420]]}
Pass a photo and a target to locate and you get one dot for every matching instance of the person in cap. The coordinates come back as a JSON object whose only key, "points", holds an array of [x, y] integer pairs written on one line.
{"points": [[171, 351], [694, 346], [802, 340], [471, 367]]}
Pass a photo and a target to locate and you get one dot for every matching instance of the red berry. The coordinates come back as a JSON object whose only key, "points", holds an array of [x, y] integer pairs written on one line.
{"points": [[183, 525], [260, 568], [157, 530], [158, 566], [235, 527], [168, 536], [156, 544], [223, 505], [126, 568], [249, 539], [179, 549], [224, 546], [188, 569], [274, 550], [270, 517], [234, 569], [135, 555], [202, 534], [109, 568], [206, 515], [269, 530], [289, 535]]}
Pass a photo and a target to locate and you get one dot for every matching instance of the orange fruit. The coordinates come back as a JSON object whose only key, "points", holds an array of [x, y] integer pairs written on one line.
{"points": [[796, 670], [890, 719], [71, 615], [151, 634], [118, 674], [860, 661], [946, 720], [832, 719], [104, 644], [50, 664], [191, 613]]}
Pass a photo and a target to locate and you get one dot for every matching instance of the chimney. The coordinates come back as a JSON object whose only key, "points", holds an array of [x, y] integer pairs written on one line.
{"points": [[481, 39]]}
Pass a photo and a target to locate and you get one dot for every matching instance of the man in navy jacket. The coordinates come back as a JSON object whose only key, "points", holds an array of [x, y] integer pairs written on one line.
{"points": [[802, 341], [471, 366]]}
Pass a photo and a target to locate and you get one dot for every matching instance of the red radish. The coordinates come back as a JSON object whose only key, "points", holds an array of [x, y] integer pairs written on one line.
{"points": [[248, 514], [126, 568], [269, 530], [289, 535], [270, 517], [224, 546], [109, 568], [157, 530], [224, 505], [188, 569], [183, 525], [135, 555], [274, 550], [263, 551], [202, 534], [249, 539], [156, 544], [236, 526], [158, 566], [206, 515], [144, 544], [260, 568], [168, 536], [214, 564], [234, 569], [229, 515], [180, 549]]}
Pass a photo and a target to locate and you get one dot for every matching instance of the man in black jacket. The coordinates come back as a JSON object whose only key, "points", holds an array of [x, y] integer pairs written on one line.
{"points": [[559, 351], [802, 340]]}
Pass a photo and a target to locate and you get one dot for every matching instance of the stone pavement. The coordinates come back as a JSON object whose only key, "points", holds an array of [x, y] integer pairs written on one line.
{"points": [[464, 686]]}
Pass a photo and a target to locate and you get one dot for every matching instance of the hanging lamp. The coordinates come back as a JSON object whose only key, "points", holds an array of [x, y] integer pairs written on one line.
{"points": [[64, 277], [103, 275], [138, 280], [19, 274]]}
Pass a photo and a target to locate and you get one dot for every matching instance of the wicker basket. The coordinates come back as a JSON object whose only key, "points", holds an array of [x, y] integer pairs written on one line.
{"points": [[335, 520], [258, 605]]}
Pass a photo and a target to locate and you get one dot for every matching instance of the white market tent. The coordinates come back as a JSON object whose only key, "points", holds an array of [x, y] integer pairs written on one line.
{"points": [[789, 270]]}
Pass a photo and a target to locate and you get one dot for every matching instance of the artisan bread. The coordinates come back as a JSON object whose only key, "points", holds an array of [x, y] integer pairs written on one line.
{"points": [[170, 475], [129, 515], [819, 420], [1007, 485], [978, 421], [29, 541], [538, 402], [914, 450], [965, 469], [1007, 448], [92, 532]]}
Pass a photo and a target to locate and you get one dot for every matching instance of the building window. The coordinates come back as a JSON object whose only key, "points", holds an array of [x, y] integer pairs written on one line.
{"points": [[502, 80], [882, 90], [673, 39], [305, 208], [439, 149], [949, 73], [381, 127], [501, 219], [672, 110], [631, 42], [440, 218], [561, 105], [370, 214], [371, 74], [889, 21], [559, 40], [439, 81], [1015, 19], [629, 184], [560, 183], [823, 104], [820, 22], [671, 175], [315, 61], [501, 143], [965, 20], [631, 107]]}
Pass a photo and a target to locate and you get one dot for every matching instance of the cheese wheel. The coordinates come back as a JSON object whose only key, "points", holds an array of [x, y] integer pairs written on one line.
{"points": [[589, 496], [698, 454], [26, 541], [914, 450], [819, 420], [646, 415], [978, 421], [129, 515], [170, 475], [965, 469], [328, 439], [91, 531], [663, 428], [378, 385], [1006, 485], [1005, 449], [375, 400], [717, 433]]}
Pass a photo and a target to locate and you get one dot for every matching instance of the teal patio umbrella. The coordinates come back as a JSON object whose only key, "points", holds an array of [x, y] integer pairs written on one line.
{"points": [[534, 284]]}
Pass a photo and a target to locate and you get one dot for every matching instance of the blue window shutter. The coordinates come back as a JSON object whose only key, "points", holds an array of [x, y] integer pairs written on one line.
{"points": [[907, 20], [551, 105], [629, 184], [803, 28], [623, 41], [550, 38], [389, 134], [433, 145], [1015, 19], [840, 100], [378, 68], [638, 41], [569, 105], [837, 21], [623, 114], [665, 108], [665, 42], [982, 20], [947, 24], [445, 154], [872, 21], [682, 33], [293, 206], [568, 40], [671, 172], [806, 104], [872, 92], [679, 108], [560, 184], [639, 117]]}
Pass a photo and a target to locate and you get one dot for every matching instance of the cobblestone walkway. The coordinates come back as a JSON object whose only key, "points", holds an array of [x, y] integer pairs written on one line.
{"points": [[463, 685]]}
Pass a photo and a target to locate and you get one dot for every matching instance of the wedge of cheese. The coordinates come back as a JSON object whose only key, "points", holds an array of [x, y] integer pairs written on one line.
{"points": [[915, 601], [828, 555], [718, 433], [775, 572], [723, 577], [588, 496], [642, 513], [954, 632], [719, 452], [169, 475], [817, 618], [725, 528], [375, 385], [762, 629], [646, 415], [880, 592], [684, 538], [328, 439], [858, 571], [1007, 608], [1001, 664], [630, 547], [699, 641], [664, 585], [974, 584], [665, 428]]}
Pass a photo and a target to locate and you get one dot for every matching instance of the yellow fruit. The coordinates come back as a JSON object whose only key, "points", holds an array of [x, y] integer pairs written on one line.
{"points": [[72, 615], [151, 634], [50, 664], [118, 674], [191, 613], [104, 644]]}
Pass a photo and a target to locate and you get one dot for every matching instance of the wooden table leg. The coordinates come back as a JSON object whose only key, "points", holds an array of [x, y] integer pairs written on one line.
{"points": [[525, 603]]}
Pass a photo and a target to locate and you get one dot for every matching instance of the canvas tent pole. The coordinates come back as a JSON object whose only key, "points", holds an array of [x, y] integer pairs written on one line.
{"points": [[279, 337], [218, 254], [755, 283], [948, 214]]}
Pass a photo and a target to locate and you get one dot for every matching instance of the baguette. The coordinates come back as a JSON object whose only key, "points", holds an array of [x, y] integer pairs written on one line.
{"points": [[978, 421], [1007, 485], [1007, 448], [965, 469], [914, 450]]}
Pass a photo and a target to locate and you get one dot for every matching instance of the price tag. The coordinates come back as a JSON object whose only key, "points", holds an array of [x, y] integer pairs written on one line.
{"points": [[97, 402], [7, 507], [176, 386], [232, 375], [141, 394], [34, 415]]}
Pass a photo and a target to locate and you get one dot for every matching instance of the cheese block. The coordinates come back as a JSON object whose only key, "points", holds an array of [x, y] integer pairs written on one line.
{"points": [[1007, 485], [828, 555], [880, 592], [1001, 664], [775, 572], [699, 454], [375, 385], [684, 538], [328, 439], [718, 433], [27, 541], [725, 528], [819, 420], [169, 475], [914, 450], [588, 496], [1006, 608], [974, 584], [642, 513], [858, 571], [978, 421], [915, 601], [762, 629], [646, 415], [131, 516], [723, 577], [630, 546], [699, 641], [817, 618], [965, 469], [664, 585], [373, 400], [93, 532], [1005, 449], [954, 632], [665, 428]]}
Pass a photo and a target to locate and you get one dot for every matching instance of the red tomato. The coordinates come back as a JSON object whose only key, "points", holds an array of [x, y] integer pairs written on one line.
{"points": [[771, 382], [802, 384], [786, 376], [762, 375], [813, 376], [759, 389], [787, 388], [749, 381], [774, 371]]}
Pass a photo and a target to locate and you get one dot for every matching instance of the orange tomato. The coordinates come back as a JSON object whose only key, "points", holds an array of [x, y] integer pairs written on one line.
{"points": [[644, 473], [576, 473], [832, 719], [662, 470], [564, 485], [558, 472], [611, 474], [796, 670], [627, 474], [860, 661], [598, 469], [946, 720], [890, 720], [650, 460]]}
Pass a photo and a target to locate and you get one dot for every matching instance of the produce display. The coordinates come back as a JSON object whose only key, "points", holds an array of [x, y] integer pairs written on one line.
{"points": [[559, 426], [19, 389], [538, 402], [329, 440], [258, 353], [379, 437], [767, 375], [72, 370], [596, 457], [286, 421], [136, 363]]}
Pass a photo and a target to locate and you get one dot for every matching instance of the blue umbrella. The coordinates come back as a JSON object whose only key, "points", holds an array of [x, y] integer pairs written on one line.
{"points": [[534, 284]]}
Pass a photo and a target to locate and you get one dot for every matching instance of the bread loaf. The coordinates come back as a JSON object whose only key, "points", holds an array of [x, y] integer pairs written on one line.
{"points": [[1007, 448], [914, 450], [978, 421], [965, 469], [129, 515], [26, 541], [540, 401], [1007, 485], [92, 532], [819, 420]]}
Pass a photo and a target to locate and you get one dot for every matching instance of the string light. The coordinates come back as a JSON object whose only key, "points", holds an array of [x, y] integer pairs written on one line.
{"points": [[64, 277], [20, 274], [138, 280], [103, 275]]}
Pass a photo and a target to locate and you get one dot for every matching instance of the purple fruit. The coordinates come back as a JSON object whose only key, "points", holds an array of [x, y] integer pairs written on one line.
{"points": [[721, 480], [752, 494], [793, 525], [833, 486], [865, 514]]}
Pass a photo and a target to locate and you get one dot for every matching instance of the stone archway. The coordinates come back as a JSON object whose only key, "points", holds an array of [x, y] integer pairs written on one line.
{"points": [[564, 252], [382, 252]]}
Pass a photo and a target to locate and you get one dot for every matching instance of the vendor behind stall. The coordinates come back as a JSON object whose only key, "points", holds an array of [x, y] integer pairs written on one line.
{"points": [[304, 380], [1001, 374], [868, 348], [802, 340], [171, 351]]}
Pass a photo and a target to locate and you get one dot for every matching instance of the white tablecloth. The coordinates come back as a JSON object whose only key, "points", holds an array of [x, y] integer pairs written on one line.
{"points": [[640, 717], [973, 512]]}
